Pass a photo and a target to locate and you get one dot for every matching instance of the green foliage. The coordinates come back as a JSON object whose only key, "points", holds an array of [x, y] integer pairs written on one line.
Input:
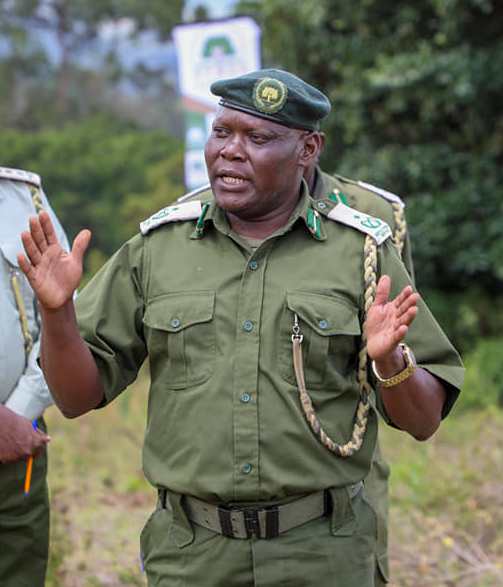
{"points": [[483, 386], [100, 174], [45, 83], [416, 92]]}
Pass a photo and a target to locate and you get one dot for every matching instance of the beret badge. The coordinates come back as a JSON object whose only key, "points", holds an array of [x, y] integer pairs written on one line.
{"points": [[269, 95]]}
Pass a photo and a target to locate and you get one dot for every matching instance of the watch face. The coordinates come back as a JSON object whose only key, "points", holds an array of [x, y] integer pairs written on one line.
{"points": [[408, 355]]}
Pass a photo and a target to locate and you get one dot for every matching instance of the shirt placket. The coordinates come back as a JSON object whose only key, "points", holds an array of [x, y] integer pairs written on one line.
{"points": [[245, 377]]}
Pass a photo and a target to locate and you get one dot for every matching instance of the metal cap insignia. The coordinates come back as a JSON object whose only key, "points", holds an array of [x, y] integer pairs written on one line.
{"points": [[269, 95]]}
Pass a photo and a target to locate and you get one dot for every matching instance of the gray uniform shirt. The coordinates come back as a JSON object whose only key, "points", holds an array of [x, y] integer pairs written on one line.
{"points": [[22, 385]]}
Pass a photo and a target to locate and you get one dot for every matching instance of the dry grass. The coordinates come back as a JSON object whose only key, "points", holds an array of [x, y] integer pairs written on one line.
{"points": [[446, 516]]}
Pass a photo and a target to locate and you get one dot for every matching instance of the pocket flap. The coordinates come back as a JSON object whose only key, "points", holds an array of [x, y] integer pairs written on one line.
{"points": [[175, 311], [327, 315]]}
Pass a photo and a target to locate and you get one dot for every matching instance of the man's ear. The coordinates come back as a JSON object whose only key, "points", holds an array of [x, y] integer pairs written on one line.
{"points": [[312, 146]]}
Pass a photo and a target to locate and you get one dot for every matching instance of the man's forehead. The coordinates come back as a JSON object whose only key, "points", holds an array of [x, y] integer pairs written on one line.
{"points": [[243, 119]]}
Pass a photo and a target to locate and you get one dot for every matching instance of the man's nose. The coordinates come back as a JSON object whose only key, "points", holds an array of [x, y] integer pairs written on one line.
{"points": [[233, 148]]}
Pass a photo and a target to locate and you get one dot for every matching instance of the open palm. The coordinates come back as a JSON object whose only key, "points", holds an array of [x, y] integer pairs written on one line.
{"points": [[388, 320], [53, 273]]}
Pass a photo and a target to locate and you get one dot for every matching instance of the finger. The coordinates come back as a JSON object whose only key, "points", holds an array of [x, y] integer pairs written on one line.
{"points": [[48, 228], [408, 303], [400, 333], [40, 439], [31, 249], [383, 290], [403, 295], [37, 450], [26, 267], [80, 244], [407, 318], [38, 234]]}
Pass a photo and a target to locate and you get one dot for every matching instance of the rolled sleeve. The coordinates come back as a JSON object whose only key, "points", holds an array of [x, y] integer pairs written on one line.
{"points": [[31, 395], [109, 315]]}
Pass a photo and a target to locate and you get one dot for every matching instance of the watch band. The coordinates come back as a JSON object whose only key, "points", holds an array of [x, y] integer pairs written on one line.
{"points": [[410, 367]]}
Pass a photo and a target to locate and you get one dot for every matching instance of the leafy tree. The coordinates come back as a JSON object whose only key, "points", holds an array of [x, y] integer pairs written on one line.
{"points": [[54, 86]]}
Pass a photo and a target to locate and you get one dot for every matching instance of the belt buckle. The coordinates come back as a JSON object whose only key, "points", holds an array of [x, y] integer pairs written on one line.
{"points": [[249, 516], [251, 521]]}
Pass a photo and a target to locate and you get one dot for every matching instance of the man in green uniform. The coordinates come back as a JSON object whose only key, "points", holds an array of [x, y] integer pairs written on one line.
{"points": [[389, 207], [24, 507], [275, 327]]}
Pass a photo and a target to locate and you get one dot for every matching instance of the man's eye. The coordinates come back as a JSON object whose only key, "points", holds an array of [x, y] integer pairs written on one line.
{"points": [[220, 132], [259, 139]]}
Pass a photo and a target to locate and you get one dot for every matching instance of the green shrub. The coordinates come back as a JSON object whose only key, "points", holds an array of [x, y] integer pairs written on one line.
{"points": [[483, 383]]}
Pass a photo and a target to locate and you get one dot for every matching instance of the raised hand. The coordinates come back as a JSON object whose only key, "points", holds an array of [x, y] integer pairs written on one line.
{"points": [[388, 320], [53, 273]]}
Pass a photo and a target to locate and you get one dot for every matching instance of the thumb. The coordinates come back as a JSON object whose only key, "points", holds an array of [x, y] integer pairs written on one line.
{"points": [[383, 290], [80, 244]]}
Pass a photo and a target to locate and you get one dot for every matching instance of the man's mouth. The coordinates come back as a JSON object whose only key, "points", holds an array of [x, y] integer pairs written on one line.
{"points": [[230, 180]]}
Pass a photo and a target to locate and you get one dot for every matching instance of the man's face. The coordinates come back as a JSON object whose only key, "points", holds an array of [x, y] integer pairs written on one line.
{"points": [[255, 165]]}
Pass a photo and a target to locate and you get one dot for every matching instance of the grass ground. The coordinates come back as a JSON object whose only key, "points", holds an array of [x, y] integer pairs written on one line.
{"points": [[446, 516]]}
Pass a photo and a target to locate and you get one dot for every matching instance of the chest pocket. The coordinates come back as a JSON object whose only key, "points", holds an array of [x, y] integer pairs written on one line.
{"points": [[331, 328], [180, 334]]}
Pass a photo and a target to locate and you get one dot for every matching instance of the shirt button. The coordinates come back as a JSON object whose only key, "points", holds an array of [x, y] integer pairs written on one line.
{"points": [[253, 265], [323, 324], [175, 323], [246, 468], [322, 205], [248, 325], [245, 398]]}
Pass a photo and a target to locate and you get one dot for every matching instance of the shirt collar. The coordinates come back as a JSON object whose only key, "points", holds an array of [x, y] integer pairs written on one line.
{"points": [[304, 211], [320, 189]]}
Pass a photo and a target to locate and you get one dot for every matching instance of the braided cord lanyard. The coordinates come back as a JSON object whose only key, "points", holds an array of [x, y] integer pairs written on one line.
{"points": [[36, 198], [16, 285], [361, 419], [401, 226], [23, 318]]}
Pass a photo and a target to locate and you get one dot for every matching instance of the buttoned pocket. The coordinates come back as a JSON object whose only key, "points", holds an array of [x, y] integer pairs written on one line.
{"points": [[180, 334], [331, 328]]}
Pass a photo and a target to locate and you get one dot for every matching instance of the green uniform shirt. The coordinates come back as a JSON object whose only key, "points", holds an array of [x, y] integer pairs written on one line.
{"points": [[224, 420]]}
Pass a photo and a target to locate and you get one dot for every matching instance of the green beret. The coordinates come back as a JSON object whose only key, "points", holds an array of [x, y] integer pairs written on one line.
{"points": [[275, 95]]}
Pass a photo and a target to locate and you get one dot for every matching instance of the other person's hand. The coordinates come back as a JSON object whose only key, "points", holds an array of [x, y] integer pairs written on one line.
{"points": [[53, 273], [18, 439]]}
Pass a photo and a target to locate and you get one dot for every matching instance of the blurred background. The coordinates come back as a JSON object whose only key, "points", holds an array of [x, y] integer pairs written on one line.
{"points": [[95, 97]]}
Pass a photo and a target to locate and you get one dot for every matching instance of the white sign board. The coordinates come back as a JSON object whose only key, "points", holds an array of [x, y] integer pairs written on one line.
{"points": [[209, 51]]}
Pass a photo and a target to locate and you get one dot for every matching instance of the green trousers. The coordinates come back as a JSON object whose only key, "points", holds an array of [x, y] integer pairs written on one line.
{"points": [[376, 492], [24, 524], [335, 551]]}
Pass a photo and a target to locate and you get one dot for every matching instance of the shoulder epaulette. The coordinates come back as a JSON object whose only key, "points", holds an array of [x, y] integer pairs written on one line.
{"points": [[372, 188], [383, 193], [375, 227], [175, 213], [20, 175], [193, 193]]}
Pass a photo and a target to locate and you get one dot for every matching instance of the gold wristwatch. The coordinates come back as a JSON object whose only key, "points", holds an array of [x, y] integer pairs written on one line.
{"points": [[410, 367]]}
